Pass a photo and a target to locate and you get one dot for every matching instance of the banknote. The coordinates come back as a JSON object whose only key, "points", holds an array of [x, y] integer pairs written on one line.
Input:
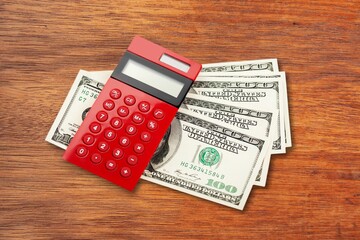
{"points": [[198, 155], [251, 92], [261, 65], [288, 141], [78, 102], [207, 158], [255, 122]]}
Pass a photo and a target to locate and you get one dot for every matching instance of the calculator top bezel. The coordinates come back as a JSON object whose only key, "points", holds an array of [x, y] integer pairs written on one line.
{"points": [[154, 52]]}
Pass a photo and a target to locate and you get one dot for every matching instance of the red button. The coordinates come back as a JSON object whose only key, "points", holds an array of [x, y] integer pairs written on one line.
{"points": [[144, 106], [88, 139], [145, 136], [95, 127], [116, 122], [152, 125], [129, 100], [115, 93], [132, 160], [103, 146], [139, 148], [158, 113], [81, 151], [96, 158], [110, 134], [102, 116], [123, 111], [137, 118], [124, 141], [110, 165], [118, 153], [109, 104], [125, 172], [131, 130]]}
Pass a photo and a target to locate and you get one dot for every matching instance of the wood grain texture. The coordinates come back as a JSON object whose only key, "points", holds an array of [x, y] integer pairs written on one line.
{"points": [[313, 191]]}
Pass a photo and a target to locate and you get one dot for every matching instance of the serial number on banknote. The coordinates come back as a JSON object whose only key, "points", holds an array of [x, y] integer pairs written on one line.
{"points": [[87, 94], [201, 169]]}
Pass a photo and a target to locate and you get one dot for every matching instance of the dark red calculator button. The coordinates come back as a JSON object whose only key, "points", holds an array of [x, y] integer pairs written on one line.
{"points": [[110, 134], [145, 136], [81, 151], [123, 111], [144, 106], [118, 153], [158, 113], [96, 158], [131, 130], [125, 172], [95, 127], [132, 160], [116, 122], [102, 116], [124, 141], [115, 93], [139, 148], [109, 104], [88, 139], [103, 146], [129, 100], [137, 118], [110, 165], [152, 125]]}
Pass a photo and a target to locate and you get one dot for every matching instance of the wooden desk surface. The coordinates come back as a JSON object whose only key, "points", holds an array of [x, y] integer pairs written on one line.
{"points": [[313, 191]]}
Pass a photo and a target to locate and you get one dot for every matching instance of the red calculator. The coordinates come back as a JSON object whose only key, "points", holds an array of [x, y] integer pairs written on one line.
{"points": [[129, 118]]}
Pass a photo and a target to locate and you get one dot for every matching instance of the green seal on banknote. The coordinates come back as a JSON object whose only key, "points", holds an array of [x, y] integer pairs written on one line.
{"points": [[209, 156]]}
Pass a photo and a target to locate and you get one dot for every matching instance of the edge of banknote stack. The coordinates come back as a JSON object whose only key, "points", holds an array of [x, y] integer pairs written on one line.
{"points": [[220, 144]]}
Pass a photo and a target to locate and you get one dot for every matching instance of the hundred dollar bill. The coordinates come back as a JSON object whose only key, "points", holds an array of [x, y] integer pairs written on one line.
{"points": [[260, 91], [207, 158], [262, 65], [254, 122], [78, 102], [288, 142]]}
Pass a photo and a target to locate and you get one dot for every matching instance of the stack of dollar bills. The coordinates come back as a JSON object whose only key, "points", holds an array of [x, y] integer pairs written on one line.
{"points": [[220, 143]]}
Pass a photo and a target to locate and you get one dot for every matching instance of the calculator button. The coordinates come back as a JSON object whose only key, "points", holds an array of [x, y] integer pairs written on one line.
{"points": [[103, 146], [137, 118], [102, 116], [109, 104], [115, 93], [152, 125], [110, 165], [88, 139], [96, 158], [110, 134], [124, 141], [129, 100], [116, 122], [118, 153], [81, 151], [125, 172], [145, 136], [131, 130], [139, 148], [123, 111], [132, 160], [95, 127], [144, 106], [158, 113]]}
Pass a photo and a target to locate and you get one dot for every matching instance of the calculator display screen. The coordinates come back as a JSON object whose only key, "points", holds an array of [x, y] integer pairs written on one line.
{"points": [[153, 78]]}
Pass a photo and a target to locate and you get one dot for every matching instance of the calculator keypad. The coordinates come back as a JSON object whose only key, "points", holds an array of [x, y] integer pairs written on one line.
{"points": [[121, 135], [130, 130]]}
